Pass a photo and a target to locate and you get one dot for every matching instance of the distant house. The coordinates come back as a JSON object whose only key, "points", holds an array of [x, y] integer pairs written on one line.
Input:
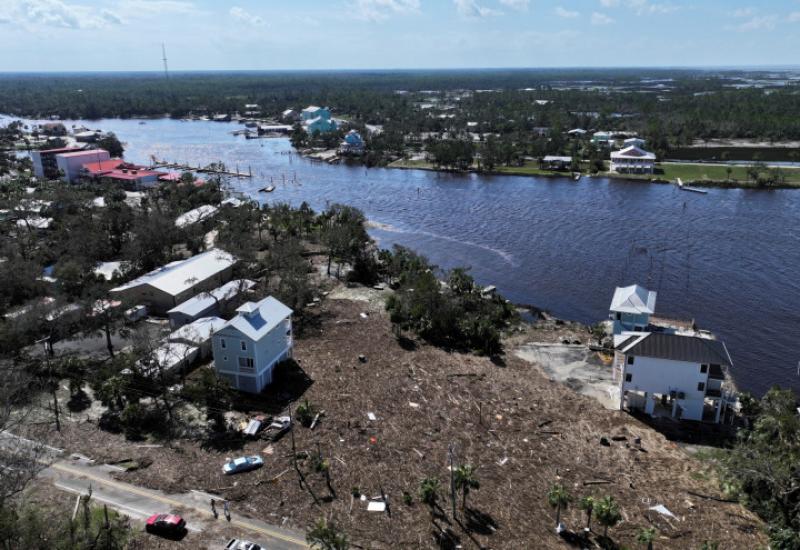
{"points": [[249, 346], [674, 375], [631, 308], [601, 139], [312, 111], [208, 303], [353, 144], [45, 165], [290, 115], [53, 129], [633, 160], [71, 164], [552, 162], [109, 270], [541, 131], [168, 358], [87, 136], [319, 124], [223, 117], [634, 142], [166, 287], [577, 132], [198, 333]]}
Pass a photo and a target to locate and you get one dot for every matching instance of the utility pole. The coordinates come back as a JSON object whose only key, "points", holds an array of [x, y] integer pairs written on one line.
{"points": [[164, 58], [452, 479]]}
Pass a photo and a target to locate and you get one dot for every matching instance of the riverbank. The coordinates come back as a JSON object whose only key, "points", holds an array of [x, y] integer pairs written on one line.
{"points": [[698, 174]]}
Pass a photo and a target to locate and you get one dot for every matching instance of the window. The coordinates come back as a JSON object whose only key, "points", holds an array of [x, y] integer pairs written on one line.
{"points": [[222, 343], [225, 358], [246, 364], [628, 377], [703, 369], [619, 316], [244, 345], [630, 359], [701, 386]]}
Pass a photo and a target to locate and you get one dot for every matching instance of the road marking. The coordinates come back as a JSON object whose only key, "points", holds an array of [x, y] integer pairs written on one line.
{"points": [[174, 503]]}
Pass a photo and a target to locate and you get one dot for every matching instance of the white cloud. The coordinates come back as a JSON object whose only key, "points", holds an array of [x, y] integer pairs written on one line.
{"points": [[759, 23], [56, 13], [609, 3], [246, 17], [520, 5], [643, 7], [470, 8], [562, 12], [379, 10], [601, 19], [794, 17], [156, 7]]}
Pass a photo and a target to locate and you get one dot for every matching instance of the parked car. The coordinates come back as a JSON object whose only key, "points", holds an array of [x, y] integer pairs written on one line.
{"points": [[242, 464], [165, 524], [278, 427], [236, 544]]}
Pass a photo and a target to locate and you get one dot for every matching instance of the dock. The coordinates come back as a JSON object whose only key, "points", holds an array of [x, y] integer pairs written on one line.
{"points": [[684, 187], [210, 169]]}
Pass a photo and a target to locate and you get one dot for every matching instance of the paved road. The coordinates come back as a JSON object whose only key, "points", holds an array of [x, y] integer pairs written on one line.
{"points": [[77, 475]]}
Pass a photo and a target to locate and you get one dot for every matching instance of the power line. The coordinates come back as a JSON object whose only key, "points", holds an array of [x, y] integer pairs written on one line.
{"points": [[164, 58]]}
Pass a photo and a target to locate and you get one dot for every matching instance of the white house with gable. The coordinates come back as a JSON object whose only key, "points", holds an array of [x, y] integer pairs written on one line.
{"points": [[675, 375], [247, 348], [633, 160]]}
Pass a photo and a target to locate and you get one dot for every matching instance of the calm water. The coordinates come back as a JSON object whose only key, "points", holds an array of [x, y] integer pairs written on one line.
{"points": [[729, 259]]}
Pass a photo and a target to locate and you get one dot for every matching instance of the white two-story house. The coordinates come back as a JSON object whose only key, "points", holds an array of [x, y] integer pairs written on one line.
{"points": [[676, 375], [247, 348]]}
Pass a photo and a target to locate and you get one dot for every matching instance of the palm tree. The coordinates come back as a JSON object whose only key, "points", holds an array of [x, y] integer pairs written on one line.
{"points": [[464, 479], [587, 504], [646, 536], [606, 511], [326, 535], [559, 498]]}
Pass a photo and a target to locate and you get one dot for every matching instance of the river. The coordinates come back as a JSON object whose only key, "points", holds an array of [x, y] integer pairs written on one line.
{"points": [[728, 259]]}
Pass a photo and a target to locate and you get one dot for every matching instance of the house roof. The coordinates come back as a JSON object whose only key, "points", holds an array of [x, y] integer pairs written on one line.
{"points": [[176, 277], [311, 109], [85, 153], [100, 167], [633, 299], [107, 269], [677, 347], [59, 150], [197, 215], [555, 158], [256, 320], [167, 356], [198, 331], [633, 152], [201, 302]]}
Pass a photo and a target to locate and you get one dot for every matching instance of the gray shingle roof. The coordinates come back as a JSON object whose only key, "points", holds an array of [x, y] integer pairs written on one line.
{"points": [[679, 348]]}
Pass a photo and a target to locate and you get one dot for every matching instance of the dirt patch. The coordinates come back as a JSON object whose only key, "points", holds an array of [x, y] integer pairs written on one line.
{"points": [[523, 432]]}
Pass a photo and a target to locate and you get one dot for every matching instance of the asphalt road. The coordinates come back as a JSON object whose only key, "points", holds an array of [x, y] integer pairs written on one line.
{"points": [[76, 475]]}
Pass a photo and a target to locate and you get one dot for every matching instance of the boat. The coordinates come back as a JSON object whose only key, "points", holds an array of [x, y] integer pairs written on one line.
{"points": [[268, 189], [576, 176]]}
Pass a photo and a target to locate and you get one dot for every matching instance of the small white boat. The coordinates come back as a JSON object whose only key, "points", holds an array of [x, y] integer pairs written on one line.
{"points": [[577, 176], [268, 189]]}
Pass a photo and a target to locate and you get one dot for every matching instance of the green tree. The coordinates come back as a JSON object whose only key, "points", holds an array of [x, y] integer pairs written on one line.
{"points": [[587, 505], [465, 480], [558, 498], [429, 490], [326, 536], [607, 514], [646, 536], [111, 143]]}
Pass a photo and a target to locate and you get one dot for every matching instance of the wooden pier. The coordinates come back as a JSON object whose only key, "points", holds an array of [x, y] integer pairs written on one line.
{"points": [[210, 169]]}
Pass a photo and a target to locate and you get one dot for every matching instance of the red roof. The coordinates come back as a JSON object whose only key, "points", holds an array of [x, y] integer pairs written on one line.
{"points": [[130, 175], [98, 168]]}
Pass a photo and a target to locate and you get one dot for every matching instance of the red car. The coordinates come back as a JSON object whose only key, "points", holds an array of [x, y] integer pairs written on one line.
{"points": [[165, 524]]}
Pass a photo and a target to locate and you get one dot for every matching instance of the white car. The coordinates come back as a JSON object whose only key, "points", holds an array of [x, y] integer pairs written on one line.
{"points": [[236, 544]]}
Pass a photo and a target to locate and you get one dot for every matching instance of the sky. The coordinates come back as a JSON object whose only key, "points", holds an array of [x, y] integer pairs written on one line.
{"points": [[126, 35]]}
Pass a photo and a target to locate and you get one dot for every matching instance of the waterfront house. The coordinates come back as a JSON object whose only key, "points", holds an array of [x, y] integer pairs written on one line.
{"points": [[319, 124], [249, 346], [209, 303], [312, 111], [353, 144], [70, 165], [553, 162], [166, 287], [290, 115], [676, 375], [631, 308], [196, 215], [198, 334], [633, 160]]}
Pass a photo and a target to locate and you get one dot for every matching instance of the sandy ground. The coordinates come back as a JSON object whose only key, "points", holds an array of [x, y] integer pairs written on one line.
{"points": [[522, 430]]}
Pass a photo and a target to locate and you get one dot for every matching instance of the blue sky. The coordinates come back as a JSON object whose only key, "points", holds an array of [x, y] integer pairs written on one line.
{"points": [[85, 35]]}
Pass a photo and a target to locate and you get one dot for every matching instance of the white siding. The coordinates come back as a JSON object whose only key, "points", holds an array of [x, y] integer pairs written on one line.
{"points": [[661, 376]]}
